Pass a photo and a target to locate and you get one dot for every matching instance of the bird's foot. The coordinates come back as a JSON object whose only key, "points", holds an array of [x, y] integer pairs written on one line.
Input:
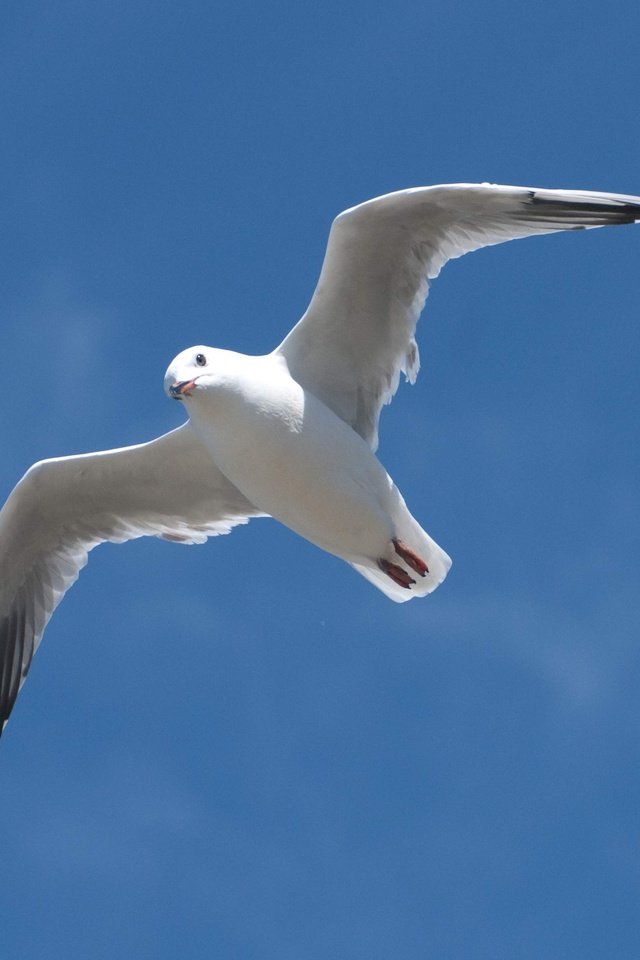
{"points": [[397, 574], [410, 558]]}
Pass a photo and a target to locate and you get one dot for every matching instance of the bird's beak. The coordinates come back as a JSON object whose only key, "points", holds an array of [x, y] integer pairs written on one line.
{"points": [[182, 389]]}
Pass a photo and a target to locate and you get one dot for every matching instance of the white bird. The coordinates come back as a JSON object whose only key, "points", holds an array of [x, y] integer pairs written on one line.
{"points": [[291, 434]]}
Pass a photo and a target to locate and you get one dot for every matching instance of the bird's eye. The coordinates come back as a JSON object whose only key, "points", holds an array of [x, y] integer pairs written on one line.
{"points": [[201, 360]]}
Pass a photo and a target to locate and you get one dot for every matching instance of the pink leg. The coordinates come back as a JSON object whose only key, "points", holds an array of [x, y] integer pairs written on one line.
{"points": [[410, 558], [397, 574]]}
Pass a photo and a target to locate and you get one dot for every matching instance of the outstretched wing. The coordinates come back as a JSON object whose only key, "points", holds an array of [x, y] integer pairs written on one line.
{"points": [[357, 335], [63, 508]]}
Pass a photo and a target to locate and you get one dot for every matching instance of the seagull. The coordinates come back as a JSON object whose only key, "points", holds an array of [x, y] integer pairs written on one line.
{"points": [[291, 434]]}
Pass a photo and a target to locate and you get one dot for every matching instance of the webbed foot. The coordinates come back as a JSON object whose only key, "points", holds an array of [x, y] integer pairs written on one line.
{"points": [[410, 558], [397, 574]]}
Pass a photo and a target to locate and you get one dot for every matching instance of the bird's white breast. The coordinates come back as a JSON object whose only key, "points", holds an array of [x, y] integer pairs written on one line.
{"points": [[294, 459]]}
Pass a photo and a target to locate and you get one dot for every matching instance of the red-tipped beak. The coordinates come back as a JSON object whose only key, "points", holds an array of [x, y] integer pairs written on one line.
{"points": [[182, 389]]}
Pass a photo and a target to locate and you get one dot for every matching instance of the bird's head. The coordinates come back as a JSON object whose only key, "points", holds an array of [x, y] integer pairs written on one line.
{"points": [[187, 372]]}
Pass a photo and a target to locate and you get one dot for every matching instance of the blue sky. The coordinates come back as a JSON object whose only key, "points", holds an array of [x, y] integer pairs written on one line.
{"points": [[307, 770]]}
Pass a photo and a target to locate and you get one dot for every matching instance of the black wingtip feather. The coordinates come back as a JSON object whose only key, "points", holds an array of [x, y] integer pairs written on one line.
{"points": [[7, 653], [593, 212], [16, 654]]}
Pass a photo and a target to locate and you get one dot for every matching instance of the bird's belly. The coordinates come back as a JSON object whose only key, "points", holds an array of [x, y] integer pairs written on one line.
{"points": [[311, 472]]}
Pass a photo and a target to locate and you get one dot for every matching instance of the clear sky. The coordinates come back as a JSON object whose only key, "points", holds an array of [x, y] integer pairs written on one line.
{"points": [[304, 770]]}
